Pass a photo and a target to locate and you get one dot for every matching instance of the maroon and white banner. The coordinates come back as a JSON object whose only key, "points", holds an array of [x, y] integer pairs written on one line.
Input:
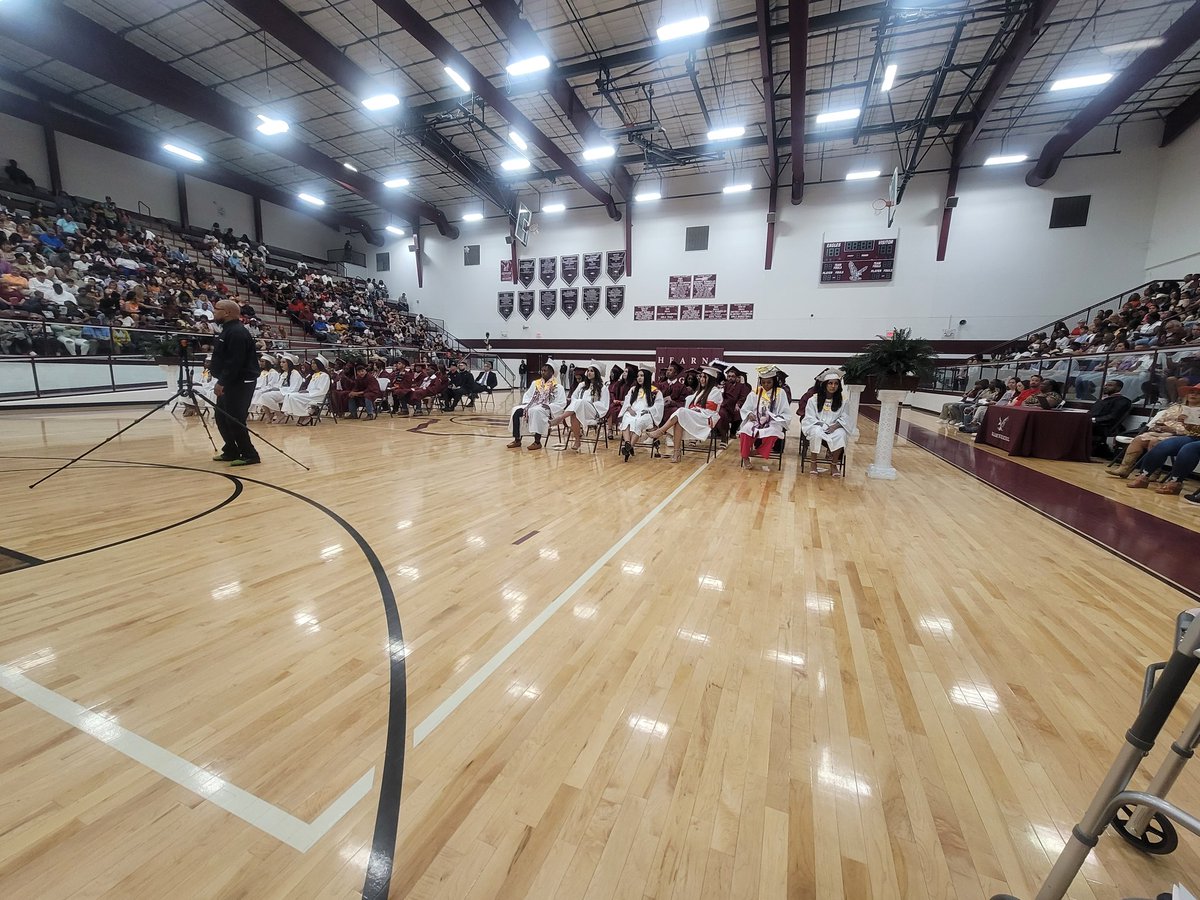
{"points": [[569, 267], [741, 310], [679, 287], [691, 312], [570, 301], [716, 312], [643, 314], [591, 301], [704, 287], [667, 314], [504, 303], [526, 271], [506, 271]]}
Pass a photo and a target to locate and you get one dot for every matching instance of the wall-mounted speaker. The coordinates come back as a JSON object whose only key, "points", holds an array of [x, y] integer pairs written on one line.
{"points": [[951, 202]]}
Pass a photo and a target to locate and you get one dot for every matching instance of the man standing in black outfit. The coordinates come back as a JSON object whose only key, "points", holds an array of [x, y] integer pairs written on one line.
{"points": [[235, 366]]}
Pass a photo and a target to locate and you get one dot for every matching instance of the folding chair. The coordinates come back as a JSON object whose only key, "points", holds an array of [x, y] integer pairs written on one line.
{"points": [[601, 429], [807, 457], [708, 446]]}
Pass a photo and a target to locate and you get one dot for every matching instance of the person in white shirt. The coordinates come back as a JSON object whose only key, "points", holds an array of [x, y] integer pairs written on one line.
{"points": [[825, 420], [41, 281]]}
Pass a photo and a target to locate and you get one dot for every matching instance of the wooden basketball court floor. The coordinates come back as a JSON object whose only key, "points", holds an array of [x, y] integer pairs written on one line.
{"points": [[591, 679]]}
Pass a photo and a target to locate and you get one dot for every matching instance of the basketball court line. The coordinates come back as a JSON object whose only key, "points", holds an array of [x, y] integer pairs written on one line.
{"points": [[426, 726], [267, 818]]}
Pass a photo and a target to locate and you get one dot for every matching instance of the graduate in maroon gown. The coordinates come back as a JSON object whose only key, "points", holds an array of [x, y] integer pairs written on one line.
{"points": [[431, 386], [400, 385], [363, 391], [618, 386], [735, 392], [404, 394], [674, 389], [340, 379]]}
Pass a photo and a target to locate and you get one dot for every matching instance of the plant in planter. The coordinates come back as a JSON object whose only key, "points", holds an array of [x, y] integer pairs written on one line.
{"points": [[856, 369], [898, 362]]}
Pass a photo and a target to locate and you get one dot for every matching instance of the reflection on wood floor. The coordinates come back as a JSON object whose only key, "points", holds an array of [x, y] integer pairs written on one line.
{"points": [[781, 687]]}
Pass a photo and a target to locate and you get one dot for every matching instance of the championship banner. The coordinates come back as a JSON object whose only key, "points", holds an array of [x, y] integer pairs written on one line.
{"points": [[548, 270], [643, 314], [741, 310], [704, 287], [680, 287], [591, 301], [570, 301], [686, 357], [667, 314], [691, 312], [569, 267], [716, 312], [525, 303], [548, 302], [614, 299], [592, 263], [506, 271], [615, 264], [504, 302], [526, 269]]}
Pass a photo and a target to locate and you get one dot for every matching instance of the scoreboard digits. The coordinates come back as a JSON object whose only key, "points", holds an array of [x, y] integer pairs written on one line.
{"points": [[848, 261]]}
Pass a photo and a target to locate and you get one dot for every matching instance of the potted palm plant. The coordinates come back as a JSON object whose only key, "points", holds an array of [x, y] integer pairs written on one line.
{"points": [[897, 362]]}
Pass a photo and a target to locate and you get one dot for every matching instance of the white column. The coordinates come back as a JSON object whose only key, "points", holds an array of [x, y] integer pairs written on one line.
{"points": [[886, 437], [853, 395]]}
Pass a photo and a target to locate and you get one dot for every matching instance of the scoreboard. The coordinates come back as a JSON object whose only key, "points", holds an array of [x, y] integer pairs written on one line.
{"points": [[843, 261]]}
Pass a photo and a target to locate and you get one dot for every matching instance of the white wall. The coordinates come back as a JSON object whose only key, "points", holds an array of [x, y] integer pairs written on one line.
{"points": [[1175, 239], [1006, 271], [286, 228], [96, 172], [208, 203], [26, 143]]}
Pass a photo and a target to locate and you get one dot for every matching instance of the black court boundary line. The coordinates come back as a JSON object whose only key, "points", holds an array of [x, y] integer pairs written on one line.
{"points": [[924, 442], [387, 815], [21, 557]]}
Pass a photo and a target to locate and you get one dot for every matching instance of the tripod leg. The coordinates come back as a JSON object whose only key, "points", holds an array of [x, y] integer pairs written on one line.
{"points": [[107, 439], [191, 394], [221, 412]]}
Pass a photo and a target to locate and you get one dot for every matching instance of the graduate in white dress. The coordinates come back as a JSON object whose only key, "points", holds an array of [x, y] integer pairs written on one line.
{"points": [[641, 411], [765, 415], [205, 387], [543, 400], [268, 380], [271, 401], [697, 417], [587, 406], [311, 395], [826, 421]]}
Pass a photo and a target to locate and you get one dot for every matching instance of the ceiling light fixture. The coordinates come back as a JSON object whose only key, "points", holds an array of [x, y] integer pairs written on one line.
{"points": [[863, 175], [381, 101], [516, 164], [841, 115], [463, 84], [683, 28], [1082, 81], [350, 167], [554, 207], [1005, 160], [1132, 46], [604, 151], [725, 134], [183, 151], [396, 183], [646, 196], [392, 229], [271, 126], [528, 65], [518, 141], [889, 78], [736, 188], [472, 217], [309, 198]]}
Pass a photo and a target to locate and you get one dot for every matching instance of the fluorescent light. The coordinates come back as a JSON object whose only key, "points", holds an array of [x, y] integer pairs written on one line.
{"points": [[392, 229], [517, 164], [863, 175], [1131, 46], [518, 141], [472, 217], [604, 151], [181, 151], [1081, 81], [381, 101], [682, 28], [271, 126], [309, 198], [462, 83], [841, 115], [889, 78], [554, 207], [396, 183], [528, 66], [350, 167], [647, 195], [1005, 160], [736, 188], [724, 134]]}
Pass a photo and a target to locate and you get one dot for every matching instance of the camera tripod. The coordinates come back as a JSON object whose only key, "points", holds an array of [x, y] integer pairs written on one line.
{"points": [[183, 389]]}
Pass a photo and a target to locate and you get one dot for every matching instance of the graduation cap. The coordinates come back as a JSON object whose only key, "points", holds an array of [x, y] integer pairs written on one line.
{"points": [[289, 357]]}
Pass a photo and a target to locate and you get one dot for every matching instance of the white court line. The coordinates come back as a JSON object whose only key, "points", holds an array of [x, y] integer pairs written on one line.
{"points": [[468, 687], [272, 820]]}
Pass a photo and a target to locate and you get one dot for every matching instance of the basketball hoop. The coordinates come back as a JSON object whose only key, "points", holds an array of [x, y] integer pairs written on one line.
{"points": [[880, 205]]}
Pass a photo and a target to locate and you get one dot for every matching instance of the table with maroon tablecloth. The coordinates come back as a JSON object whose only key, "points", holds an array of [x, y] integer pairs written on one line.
{"points": [[1044, 433]]}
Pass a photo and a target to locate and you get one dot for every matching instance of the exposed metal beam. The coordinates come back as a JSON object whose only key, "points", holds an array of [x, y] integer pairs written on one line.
{"points": [[1181, 34], [927, 110], [141, 144], [767, 73], [52, 28], [432, 40], [1181, 118], [798, 29], [277, 19], [508, 16]]}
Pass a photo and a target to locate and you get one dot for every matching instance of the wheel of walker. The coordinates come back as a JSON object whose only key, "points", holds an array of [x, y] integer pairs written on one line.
{"points": [[1159, 839]]}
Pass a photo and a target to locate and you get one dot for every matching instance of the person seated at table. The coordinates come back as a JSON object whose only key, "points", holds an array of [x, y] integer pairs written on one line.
{"points": [[1186, 452], [641, 410], [459, 385], [1049, 396], [1107, 414], [734, 391], [826, 421], [587, 406], [543, 400], [997, 395], [306, 402], [268, 380], [1176, 420], [271, 401], [696, 418], [765, 415], [953, 411], [364, 388], [1029, 387]]}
